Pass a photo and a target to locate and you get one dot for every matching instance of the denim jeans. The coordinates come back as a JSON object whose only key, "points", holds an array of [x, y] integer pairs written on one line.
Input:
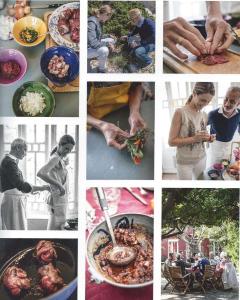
{"points": [[141, 54]]}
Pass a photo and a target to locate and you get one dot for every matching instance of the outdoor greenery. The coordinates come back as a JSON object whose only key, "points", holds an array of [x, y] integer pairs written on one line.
{"points": [[214, 210], [119, 23]]}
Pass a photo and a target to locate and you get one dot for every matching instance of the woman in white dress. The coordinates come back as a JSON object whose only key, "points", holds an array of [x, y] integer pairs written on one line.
{"points": [[56, 174], [188, 132]]}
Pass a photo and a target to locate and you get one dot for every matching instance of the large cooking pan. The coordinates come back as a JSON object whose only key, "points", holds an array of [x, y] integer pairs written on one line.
{"points": [[20, 252], [94, 239]]}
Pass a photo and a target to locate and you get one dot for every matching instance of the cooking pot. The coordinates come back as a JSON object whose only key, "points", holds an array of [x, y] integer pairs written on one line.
{"points": [[20, 252], [94, 240]]}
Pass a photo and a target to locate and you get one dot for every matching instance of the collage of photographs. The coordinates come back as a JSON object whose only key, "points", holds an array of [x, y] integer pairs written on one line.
{"points": [[119, 149]]}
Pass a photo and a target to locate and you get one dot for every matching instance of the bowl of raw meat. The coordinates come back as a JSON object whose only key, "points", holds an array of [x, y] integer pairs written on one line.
{"points": [[13, 66], [60, 65], [132, 230], [38, 269], [64, 25]]}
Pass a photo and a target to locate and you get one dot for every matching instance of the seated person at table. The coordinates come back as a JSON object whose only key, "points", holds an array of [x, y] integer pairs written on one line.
{"points": [[201, 263], [229, 275], [213, 261], [145, 27], [106, 97], [179, 262], [169, 261], [224, 122]]}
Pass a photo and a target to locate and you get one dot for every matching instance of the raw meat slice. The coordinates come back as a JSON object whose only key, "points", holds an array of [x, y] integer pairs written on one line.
{"points": [[214, 59]]}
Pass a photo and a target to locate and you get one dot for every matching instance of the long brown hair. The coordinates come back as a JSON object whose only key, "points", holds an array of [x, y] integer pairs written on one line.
{"points": [[201, 88]]}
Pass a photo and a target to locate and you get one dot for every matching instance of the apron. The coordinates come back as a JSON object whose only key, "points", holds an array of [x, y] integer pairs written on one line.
{"points": [[13, 210], [58, 204], [104, 100], [218, 151]]}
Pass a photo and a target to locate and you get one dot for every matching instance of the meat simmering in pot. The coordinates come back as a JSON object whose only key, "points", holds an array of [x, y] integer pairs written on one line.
{"points": [[45, 251], [51, 281], [15, 280], [138, 271]]}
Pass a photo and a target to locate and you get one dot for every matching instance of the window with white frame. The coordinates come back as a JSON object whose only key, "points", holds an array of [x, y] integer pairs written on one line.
{"points": [[41, 139]]}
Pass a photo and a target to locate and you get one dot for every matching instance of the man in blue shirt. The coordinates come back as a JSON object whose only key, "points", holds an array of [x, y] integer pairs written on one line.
{"points": [[224, 122], [145, 27]]}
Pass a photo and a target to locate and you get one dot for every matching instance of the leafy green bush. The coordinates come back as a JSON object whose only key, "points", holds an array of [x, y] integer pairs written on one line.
{"points": [[119, 24]]}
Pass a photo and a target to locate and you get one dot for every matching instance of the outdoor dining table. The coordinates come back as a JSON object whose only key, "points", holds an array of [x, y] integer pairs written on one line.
{"points": [[104, 291]]}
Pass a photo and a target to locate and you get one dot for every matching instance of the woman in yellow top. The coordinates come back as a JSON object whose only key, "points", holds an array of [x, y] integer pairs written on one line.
{"points": [[106, 97]]}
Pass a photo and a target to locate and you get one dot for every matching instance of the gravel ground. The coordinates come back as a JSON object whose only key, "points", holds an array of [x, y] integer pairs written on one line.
{"points": [[210, 294]]}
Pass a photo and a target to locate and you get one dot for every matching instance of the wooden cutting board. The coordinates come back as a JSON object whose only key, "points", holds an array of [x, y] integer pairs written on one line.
{"points": [[193, 66], [72, 86]]}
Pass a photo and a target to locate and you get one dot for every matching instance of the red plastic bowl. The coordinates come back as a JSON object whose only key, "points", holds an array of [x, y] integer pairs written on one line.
{"points": [[15, 55]]}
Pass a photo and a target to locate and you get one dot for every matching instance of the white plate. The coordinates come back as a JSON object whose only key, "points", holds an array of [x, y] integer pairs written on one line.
{"points": [[53, 28]]}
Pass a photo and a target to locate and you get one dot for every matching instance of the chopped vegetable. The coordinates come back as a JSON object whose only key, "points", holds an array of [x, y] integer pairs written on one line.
{"points": [[28, 35], [135, 145], [32, 103]]}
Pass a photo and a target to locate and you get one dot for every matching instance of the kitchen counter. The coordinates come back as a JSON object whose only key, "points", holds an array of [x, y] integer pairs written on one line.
{"points": [[67, 104], [105, 162]]}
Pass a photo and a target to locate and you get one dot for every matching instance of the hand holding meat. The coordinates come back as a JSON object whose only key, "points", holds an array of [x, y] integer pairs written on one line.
{"points": [[51, 280], [45, 251], [16, 280], [179, 31], [112, 134], [219, 36]]}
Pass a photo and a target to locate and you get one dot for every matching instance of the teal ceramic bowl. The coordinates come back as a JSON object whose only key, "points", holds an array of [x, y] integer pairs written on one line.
{"points": [[37, 87]]}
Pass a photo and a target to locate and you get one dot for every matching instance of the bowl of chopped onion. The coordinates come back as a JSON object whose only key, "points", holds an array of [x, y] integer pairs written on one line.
{"points": [[29, 31], [33, 99]]}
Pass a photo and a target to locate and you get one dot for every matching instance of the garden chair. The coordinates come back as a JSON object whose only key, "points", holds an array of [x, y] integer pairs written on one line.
{"points": [[208, 277], [178, 281], [218, 279], [166, 274]]}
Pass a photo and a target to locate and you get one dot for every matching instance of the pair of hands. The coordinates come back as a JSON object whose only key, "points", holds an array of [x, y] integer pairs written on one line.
{"points": [[179, 31], [132, 45], [113, 134], [204, 136]]}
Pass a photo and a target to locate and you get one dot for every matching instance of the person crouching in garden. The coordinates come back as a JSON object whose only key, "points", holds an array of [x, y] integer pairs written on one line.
{"points": [[188, 132], [98, 46], [145, 27], [15, 188]]}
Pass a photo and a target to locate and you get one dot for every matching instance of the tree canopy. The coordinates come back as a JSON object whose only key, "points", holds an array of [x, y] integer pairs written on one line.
{"points": [[196, 207], [119, 23]]}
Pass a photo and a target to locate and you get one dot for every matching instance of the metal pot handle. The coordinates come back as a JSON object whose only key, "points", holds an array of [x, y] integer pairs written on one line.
{"points": [[95, 277]]}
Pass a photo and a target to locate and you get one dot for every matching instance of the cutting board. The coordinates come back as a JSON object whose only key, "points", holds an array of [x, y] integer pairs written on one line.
{"points": [[70, 87], [194, 66]]}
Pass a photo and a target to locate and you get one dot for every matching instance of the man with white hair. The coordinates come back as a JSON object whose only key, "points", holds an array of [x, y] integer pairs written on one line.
{"points": [[145, 27], [213, 261], [15, 188], [202, 262], [224, 122]]}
